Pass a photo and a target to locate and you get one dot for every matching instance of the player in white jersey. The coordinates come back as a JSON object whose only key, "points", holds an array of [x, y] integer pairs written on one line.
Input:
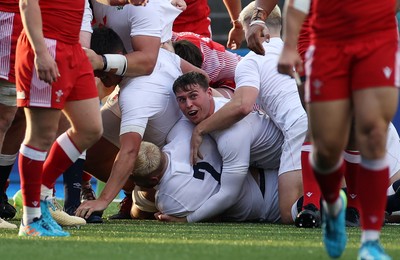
{"points": [[147, 105], [254, 141], [258, 81], [183, 188]]}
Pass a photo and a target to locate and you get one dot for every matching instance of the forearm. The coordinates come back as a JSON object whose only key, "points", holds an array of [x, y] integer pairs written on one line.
{"points": [[32, 22], [234, 8], [139, 64], [231, 184], [292, 25], [121, 170], [225, 117], [267, 5], [236, 109], [84, 39]]}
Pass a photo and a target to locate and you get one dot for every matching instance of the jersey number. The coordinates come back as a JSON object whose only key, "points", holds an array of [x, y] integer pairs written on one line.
{"points": [[201, 168]]}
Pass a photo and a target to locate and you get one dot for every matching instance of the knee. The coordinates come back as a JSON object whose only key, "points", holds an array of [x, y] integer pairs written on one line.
{"points": [[326, 157], [94, 133], [6, 120]]}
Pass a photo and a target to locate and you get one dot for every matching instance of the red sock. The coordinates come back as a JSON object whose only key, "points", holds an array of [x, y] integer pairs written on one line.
{"points": [[62, 155], [372, 185], [30, 165], [352, 162], [311, 191], [330, 183]]}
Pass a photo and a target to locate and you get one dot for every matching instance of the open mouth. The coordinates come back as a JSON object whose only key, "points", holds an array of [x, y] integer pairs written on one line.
{"points": [[192, 113]]}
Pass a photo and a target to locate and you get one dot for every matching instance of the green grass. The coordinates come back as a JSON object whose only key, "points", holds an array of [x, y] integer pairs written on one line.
{"points": [[130, 239]]}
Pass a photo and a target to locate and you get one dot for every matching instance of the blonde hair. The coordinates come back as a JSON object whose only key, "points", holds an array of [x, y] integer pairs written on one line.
{"points": [[148, 160], [274, 19]]}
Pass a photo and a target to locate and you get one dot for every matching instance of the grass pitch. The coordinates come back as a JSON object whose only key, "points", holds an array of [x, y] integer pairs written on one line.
{"points": [[132, 239]]}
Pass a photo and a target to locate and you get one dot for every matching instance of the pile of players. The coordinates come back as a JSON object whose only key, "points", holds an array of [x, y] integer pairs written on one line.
{"points": [[192, 132]]}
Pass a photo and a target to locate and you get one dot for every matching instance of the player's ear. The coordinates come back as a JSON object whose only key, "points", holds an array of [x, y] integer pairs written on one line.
{"points": [[154, 180]]}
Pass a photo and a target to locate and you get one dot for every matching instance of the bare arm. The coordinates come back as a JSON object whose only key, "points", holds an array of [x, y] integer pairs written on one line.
{"points": [[236, 34], [140, 62], [256, 32], [236, 109], [84, 39], [45, 64], [121, 170], [290, 59]]}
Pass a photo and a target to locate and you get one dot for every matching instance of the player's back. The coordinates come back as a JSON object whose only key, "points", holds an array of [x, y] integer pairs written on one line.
{"points": [[353, 20], [184, 187], [278, 94]]}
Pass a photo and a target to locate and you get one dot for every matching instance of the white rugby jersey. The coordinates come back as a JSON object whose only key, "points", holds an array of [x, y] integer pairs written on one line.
{"points": [[155, 19], [148, 104], [184, 188], [255, 140], [278, 95]]}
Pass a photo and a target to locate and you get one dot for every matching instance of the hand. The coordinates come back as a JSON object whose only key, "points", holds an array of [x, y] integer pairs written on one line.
{"points": [[95, 59], [180, 4], [256, 35], [167, 218], [46, 67], [88, 207], [235, 38], [195, 143], [290, 62]]}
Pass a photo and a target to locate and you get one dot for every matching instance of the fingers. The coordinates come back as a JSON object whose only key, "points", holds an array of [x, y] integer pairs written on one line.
{"points": [[193, 159], [162, 217], [88, 213], [50, 75], [200, 155], [157, 214], [84, 210]]}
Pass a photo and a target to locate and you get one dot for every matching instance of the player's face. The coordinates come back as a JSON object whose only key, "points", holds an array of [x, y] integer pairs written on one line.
{"points": [[195, 103]]}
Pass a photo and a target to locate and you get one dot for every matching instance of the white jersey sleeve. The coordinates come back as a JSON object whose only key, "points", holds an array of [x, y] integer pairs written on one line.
{"points": [[247, 73], [87, 18]]}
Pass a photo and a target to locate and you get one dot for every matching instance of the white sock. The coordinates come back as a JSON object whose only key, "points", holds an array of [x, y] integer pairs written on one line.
{"points": [[45, 193], [370, 235], [29, 214], [334, 208]]}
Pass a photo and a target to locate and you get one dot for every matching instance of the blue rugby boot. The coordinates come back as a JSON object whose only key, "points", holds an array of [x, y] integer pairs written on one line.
{"points": [[334, 230], [372, 250], [44, 207], [39, 228]]}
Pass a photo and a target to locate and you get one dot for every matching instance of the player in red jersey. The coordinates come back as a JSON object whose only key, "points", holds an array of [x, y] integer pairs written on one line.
{"points": [[196, 19], [10, 27], [55, 76], [210, 56], [350, 74]]}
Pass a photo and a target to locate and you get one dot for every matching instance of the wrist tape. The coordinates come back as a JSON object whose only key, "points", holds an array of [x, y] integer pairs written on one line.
{"points": [[116, 63]]}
